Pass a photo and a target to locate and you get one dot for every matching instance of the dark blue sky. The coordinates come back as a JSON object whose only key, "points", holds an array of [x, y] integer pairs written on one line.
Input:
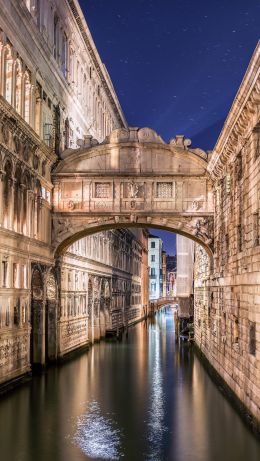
{"points": [[175, 64]]}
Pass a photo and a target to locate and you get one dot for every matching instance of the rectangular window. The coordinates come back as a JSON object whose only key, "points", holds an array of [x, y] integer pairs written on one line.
{"points": [[227, 244], [23, 276], [4, 274], [255, 229], [7, 316], [239, 166], [164, 190], [252, 338], [256, 132], [239, 238], [152, 244], [64, 55], [153, 271], [17, 312], [102, 190], [15, 276], [235, 331], [55, 36], [257, 151], [152, 258], [153, 287]]}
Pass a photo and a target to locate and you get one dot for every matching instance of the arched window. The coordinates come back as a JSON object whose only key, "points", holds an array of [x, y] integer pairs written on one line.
{"points": [[64, 55], [55, 36], [17, 200], [84, 89], [37, 209], [8, 75], [18, 87], [26, 188], [71, 65], [7, 193], [27, 98]]}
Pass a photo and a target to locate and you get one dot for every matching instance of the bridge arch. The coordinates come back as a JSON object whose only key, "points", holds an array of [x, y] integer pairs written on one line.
{"points": [[93, 228], [132, 179]]}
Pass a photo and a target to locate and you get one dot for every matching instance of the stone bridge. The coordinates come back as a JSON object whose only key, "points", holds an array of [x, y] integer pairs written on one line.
{"points": [[133, 178], [161, 302]]}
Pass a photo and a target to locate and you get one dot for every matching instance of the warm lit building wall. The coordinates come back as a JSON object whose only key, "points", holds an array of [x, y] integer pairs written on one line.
{"points": [[52, 75], [229, 329], [55, 93], [101, 286]]}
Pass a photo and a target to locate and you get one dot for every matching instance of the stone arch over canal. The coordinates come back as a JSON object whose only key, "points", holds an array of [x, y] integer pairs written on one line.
{"points": [[132, 179]]}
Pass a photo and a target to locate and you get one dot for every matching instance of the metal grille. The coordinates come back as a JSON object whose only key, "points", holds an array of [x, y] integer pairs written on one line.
{"points": [[164, 189]]}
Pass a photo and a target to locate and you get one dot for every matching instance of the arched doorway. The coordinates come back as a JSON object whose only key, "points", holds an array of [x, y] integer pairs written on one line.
{"points": [[104, 317], [37, 339], [96, 309], [51, 317], [44, 309]]}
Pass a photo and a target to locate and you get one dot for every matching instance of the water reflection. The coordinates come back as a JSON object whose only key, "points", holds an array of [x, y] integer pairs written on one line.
{"points": [[141, 399], [97, 435], [156, 414]]}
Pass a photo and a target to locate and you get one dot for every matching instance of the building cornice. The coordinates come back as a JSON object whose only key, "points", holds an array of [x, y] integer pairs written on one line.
{"points": [[242, 118], [99, 66]]}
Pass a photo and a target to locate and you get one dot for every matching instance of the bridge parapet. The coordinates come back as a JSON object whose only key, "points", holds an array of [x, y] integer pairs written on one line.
{"points": [[133, 178]]}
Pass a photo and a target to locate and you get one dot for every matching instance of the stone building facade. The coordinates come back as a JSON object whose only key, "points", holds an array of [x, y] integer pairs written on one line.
{"points": [[55, 94], [102, 286], [227, 289], [155, 245]]}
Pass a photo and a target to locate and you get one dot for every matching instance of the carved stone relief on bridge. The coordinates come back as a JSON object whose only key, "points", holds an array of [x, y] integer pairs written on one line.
{"points": [[133, 178], [172, 195]]}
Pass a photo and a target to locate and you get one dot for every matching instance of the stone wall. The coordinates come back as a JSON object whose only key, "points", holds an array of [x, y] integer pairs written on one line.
{"points": [[227, 305], [102, 289], [35, 126]]}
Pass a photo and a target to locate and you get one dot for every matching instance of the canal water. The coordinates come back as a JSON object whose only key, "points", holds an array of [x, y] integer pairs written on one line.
{"points": [[144, 398]]}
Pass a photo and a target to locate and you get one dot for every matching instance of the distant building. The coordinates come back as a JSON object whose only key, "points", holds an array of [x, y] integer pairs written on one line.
{"points": [[155, 264], [164, 274], [171, 270], [171, 263], [184, 285]]}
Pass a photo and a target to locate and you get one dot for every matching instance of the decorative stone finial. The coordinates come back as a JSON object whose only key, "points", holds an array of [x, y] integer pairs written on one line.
{"points": [[180, 141]]}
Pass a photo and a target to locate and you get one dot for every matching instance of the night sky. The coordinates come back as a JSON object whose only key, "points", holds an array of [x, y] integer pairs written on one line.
{"points": [[176, 65]]}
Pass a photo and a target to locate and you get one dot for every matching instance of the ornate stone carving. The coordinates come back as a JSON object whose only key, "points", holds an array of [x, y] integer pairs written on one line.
{"points": [[119, 135], [26, 152], [148, 135], [35, 162], [203, 228], [133, 189], [5, 133], [17, 144], [180, 141], [44, 163], [51, 287], [71, 205]]}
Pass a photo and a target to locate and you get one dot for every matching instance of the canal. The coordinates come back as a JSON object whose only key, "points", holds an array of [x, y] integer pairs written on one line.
{"points": [[144, 398]]}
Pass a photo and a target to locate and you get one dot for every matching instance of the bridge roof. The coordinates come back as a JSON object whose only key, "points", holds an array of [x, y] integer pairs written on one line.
{"points": [[134, 151]]}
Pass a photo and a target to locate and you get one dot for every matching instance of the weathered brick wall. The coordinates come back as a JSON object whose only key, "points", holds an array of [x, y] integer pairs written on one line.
{"points": [[227, 304]]}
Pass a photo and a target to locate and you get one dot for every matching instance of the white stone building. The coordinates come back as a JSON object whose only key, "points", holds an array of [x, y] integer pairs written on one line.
{"points": [[184, 279], [155, 267], [55, 95]]}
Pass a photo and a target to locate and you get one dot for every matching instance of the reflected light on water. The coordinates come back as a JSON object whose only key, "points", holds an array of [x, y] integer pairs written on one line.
{"points": [[97, 436], [155, 423]]}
